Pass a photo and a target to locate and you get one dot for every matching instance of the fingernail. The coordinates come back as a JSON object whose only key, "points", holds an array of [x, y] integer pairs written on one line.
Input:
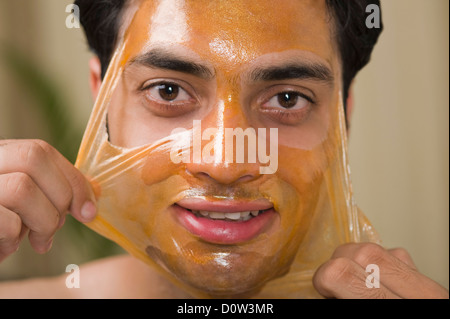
{"points": [[88, 211], [46, 248]]}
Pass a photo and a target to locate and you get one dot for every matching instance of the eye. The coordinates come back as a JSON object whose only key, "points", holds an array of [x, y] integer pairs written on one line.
{"points": [[288, 107], [167, 92], [288, 100], [169, 99]]}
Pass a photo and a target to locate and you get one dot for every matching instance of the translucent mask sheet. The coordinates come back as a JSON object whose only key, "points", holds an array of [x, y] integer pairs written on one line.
{"points": [[197, 171]]}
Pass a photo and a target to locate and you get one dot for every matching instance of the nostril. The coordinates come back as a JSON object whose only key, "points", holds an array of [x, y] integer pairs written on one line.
{"points": [[202, 176], [225, 180], [224, 174], [246, 178]]}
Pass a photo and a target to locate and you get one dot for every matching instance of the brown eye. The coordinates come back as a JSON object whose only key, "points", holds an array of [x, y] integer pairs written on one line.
{"points": [[168, 92], [287, 106], [287, 99], [168, 99]]}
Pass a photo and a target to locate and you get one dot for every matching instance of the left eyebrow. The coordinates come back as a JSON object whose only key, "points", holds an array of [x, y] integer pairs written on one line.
{"points": [[162, 59], [308, 71]]}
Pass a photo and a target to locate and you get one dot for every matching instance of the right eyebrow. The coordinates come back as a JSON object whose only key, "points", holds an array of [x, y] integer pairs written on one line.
{"points": [[162, 59], [299, 70]]}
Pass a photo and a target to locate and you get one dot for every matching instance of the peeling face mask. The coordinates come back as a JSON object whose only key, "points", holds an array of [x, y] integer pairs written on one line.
{"points": [[217, 146]]}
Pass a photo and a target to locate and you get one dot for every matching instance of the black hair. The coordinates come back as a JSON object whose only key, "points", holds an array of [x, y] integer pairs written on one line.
{"points": [[101, 21], [354, 38]]}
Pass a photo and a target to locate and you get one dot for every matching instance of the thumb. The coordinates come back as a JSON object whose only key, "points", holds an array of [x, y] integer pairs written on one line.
{"points": [[84, 203]]}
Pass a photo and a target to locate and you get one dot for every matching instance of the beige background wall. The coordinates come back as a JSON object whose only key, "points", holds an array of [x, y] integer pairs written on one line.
{"points": [[399, 139], [399, 144]]}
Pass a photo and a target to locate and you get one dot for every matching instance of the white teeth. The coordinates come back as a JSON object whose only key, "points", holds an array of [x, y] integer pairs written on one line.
{"points": [[216, 215], [244, 214], [238, 216], [233, 216]]}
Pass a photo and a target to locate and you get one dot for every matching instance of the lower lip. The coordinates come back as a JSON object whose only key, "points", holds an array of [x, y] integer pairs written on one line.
{"points": [[224, 232]]}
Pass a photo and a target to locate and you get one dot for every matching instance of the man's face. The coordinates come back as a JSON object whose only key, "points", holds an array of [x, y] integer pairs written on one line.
{"points": [[222, 226]]}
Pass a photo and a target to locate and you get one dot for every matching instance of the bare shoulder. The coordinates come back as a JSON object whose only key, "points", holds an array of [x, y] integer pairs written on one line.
{"points": [[115, 277]]}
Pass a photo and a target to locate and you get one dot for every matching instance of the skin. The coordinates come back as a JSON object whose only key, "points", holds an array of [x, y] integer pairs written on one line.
{"points": [[65, 189]]}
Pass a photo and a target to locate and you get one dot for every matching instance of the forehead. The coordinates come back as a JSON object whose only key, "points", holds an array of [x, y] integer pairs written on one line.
{"points": [[230, 33]]}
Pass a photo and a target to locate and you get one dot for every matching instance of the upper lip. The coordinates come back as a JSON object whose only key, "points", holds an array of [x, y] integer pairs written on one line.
{"points": [[224, 206]]}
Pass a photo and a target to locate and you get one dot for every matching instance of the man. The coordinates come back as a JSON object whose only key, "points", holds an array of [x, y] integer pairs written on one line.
{"points": [[287, 67]]}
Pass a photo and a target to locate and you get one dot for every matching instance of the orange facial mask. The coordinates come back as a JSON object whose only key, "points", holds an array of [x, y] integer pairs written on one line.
{"points": [[217, 146]]}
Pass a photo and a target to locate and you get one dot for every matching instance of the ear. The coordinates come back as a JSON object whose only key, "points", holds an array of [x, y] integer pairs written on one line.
{"points": [[350, 106], [95, 76]]}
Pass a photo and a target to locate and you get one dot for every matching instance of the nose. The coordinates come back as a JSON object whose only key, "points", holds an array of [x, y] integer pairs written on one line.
{"points": [[224, 173], [231, 160]]}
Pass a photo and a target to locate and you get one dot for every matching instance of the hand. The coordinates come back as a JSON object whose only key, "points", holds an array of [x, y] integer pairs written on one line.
{"points": [[344, 275], [38, 187]]}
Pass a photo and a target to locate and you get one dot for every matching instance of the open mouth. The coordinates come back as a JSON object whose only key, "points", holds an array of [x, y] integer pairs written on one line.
{"points": [[236, 217], [225, 222]]}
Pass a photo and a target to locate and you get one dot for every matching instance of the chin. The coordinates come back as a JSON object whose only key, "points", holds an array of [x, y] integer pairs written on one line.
{"points": [[227, 272]]}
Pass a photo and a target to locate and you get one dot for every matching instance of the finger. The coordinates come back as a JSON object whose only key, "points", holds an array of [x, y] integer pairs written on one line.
{"points": [[79, 197], [83, 205], [10, 232], [344, 279], [30, 158], [395, 274], [403, 255], [36, 212]]}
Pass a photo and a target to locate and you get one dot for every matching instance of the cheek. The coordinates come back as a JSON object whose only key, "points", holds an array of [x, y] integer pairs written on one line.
{"points": [[302, 169], [123, 126], [302, 173], [158, 167], [130, 123]]}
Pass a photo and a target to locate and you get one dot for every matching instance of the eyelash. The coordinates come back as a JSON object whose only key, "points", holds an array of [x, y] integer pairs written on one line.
{"points": [[160, 83], [168, 108], [306, 97], [288, 116]]}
